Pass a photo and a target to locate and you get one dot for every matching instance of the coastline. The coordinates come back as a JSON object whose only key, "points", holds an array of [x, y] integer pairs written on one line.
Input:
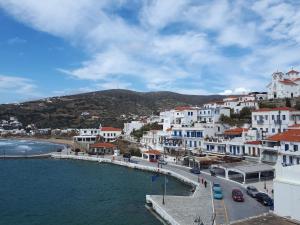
{"points": [[62, 141]]}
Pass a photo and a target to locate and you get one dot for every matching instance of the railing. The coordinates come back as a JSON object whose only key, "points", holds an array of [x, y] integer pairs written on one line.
{"points": [[260, 121]]}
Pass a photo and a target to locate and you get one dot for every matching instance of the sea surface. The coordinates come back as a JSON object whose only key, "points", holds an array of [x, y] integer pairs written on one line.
{"points": [[26, 147], [61, 192]]}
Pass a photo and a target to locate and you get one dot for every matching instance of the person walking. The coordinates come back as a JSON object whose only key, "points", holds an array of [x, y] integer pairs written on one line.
{"points": [[205, 184]]}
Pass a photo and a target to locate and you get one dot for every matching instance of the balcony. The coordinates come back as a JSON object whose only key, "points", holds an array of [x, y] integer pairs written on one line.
{"points": [[260, 122], [277, 122]]}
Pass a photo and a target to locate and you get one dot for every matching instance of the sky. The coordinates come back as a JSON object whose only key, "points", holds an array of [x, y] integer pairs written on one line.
{"points": [[61, 47]]}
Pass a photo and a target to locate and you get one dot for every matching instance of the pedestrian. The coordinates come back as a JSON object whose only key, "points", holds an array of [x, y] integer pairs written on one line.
{"points": [[205, 184]]}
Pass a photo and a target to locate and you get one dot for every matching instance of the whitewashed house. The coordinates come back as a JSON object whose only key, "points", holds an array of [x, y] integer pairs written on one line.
{"points": [[110, 134], [133, 125], [272, 121], [284, 85], [287, 191]]}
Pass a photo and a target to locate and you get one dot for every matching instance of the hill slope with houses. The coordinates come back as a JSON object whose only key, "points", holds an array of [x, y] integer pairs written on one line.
{"points": [[108, 107]]}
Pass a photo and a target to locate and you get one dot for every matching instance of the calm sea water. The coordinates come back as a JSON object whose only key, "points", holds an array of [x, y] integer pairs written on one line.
{"points": [[61, 192], [26, 147]]}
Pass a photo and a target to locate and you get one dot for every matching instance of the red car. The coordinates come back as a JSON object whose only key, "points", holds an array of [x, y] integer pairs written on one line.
{"points": [[237, 195]]}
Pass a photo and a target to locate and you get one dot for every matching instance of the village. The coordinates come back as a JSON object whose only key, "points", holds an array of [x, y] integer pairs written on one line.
{"points": [[262, 152]]}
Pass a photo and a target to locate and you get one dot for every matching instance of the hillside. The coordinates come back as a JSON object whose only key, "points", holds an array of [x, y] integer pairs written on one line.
{"points": [[106, 107]]}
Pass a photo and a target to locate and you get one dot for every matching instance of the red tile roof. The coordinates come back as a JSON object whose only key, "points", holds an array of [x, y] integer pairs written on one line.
{"points": [[152, 152], [110, 129], [293, 71], [292, 135], [235, 131], [253, 142], [182, 108], [102, 145], [287, 82], [275, 109]]}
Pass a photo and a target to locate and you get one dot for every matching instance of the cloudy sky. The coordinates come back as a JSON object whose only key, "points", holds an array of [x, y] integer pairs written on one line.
{"points": [[56, 47]]}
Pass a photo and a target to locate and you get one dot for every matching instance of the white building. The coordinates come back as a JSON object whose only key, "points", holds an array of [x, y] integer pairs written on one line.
{"points": [[287, 191], [271, 121], [183, 115], [212, 115], [284, 85], [133, 125], [288, 146], [110, 134]]}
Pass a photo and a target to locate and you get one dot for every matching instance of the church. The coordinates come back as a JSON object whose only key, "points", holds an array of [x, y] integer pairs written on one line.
{"points": [[284, 85]]}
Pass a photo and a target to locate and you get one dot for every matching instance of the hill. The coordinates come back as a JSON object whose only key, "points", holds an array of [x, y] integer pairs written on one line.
{"points": [[108, 107]]}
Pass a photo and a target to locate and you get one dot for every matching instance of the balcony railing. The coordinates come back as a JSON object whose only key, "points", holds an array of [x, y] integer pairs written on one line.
{"points": [[260, 121]]}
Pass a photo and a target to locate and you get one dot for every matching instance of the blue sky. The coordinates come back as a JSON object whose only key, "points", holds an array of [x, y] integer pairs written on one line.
{"points": [[58, 47]]}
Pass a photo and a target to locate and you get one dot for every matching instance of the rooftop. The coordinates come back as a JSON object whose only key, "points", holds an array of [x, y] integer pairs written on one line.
{"points": [[110, 129], [269, 219], [103, 145], [275, 109], [292, 135], [247, 167], [235, 131]]}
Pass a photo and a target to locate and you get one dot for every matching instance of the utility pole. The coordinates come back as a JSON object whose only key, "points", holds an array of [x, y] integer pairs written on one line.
{"points": [[164, 189]]}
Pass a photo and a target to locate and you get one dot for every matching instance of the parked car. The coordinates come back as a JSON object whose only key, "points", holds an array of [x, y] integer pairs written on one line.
{"points": [[216, 187], [252, 191], [195, 170], [218, 194], [212, 172], [237, 195], [264, 199], [162, 161]]}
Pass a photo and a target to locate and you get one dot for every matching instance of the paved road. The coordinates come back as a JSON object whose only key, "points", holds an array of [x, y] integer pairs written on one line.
{"points": [[228, 209]]}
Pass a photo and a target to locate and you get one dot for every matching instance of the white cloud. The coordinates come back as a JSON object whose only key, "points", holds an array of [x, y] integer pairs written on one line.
{"points": [[236, 91], [10, 85], [266, 35]]}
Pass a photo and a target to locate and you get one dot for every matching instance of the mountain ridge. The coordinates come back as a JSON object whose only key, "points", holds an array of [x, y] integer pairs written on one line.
{"points": [[113, 107]]}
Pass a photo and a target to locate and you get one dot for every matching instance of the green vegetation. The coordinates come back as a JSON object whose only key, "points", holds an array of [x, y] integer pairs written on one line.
{"points": [[135, 152], [139, 133], [237, 119], [106, 107]]}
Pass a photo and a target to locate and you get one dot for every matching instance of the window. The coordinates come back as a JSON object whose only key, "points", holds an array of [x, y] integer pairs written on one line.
{"points": [[273, 117], [267, 130], [255, 117], [284, 158], [286, 147], [295, 148], [291, 159], [192, 113], [298, 161], [195, 143], [266, 117], [283, 117], [273, 130]]}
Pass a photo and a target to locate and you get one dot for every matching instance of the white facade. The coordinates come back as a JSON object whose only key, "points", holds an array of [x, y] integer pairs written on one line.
{"points": [[184, 116], [133, 125], [287, 191], [212, 115], [284, 85], [272, 121]]}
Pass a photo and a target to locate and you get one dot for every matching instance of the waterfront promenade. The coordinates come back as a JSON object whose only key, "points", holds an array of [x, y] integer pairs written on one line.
{"points": [[226, 210]]}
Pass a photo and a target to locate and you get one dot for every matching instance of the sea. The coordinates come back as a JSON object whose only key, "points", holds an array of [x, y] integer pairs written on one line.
{"points": [[71, 192]]}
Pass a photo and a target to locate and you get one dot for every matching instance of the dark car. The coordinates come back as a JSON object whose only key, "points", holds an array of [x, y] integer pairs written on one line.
{"points": [[212, 172], [264, 199], [195, 170], [237, 195], [252, 191]]}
